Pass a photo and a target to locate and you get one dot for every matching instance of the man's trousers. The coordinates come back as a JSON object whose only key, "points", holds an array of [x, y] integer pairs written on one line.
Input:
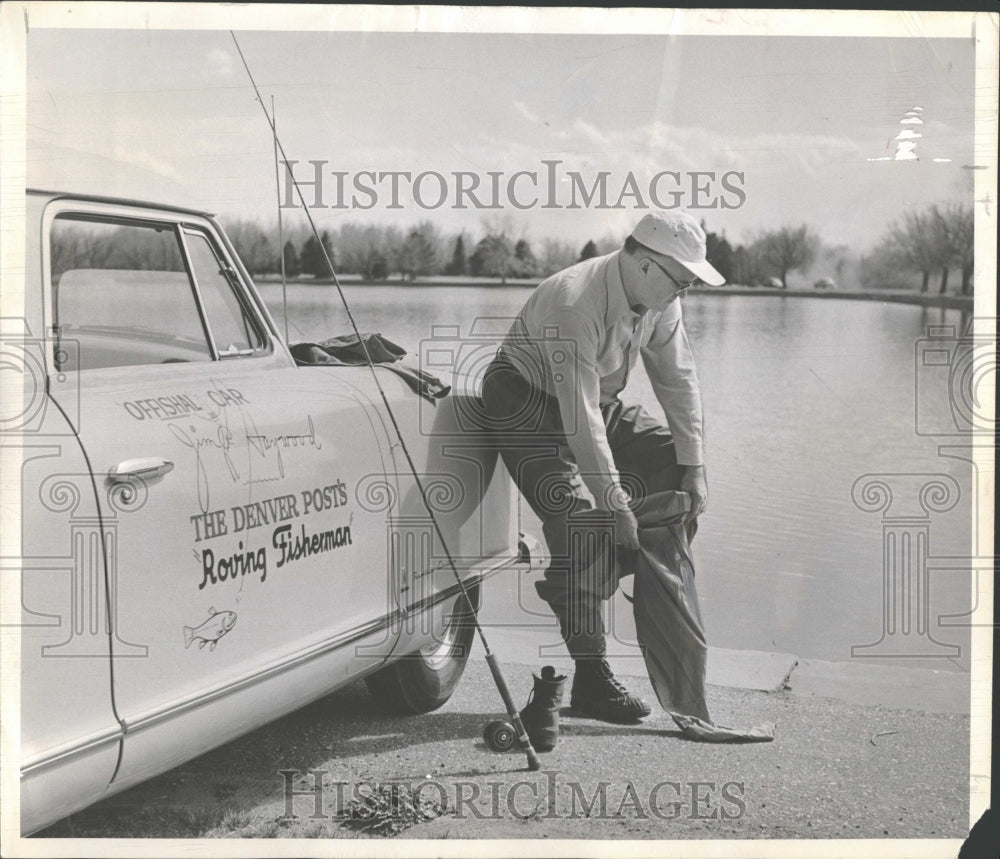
{"points": [[585, 566]]}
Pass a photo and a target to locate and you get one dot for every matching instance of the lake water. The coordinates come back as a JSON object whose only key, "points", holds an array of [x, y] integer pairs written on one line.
{"points": [[802, 397]]}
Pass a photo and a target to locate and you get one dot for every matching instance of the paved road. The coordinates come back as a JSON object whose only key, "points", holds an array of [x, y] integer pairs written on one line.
{"points": [[835, 770]]}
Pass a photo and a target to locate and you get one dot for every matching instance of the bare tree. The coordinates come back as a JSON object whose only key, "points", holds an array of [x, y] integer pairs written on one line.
{"points": [[954, 227], [556, 255], [367, 250], [918, 241], [836, 257], [885, 267], [787, 249], [417, 256], [494, 255], [256, 245], [609, 243], [936, 239]]}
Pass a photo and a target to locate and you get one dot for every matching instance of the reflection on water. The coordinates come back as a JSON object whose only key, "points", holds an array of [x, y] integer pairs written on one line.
{"points": [[802, 397]]}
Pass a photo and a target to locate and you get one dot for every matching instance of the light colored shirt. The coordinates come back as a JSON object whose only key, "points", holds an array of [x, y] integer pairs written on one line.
{"points": [[577, 338]]}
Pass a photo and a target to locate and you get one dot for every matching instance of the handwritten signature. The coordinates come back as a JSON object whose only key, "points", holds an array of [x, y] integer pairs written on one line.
{"points": [[264, 443], [260, 445], [221, 440]]}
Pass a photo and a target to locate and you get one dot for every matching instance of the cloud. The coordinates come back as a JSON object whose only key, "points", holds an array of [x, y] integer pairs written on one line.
{"points": [[220, 62], [147, 161], [524, 110], [659, 145], [134, 174]]}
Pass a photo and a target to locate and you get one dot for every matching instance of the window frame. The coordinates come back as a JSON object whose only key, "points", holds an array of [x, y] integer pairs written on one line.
{"points": [[142, 216], [235, 283]]}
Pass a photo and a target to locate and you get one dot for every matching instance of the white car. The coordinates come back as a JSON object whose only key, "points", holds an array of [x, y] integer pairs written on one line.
{"points": [[211, 535]]}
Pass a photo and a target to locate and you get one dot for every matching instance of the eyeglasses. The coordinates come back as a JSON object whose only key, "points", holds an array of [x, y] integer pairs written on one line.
{"points": [[681, 287]]}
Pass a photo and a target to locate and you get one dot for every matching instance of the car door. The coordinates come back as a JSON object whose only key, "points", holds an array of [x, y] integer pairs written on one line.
{"points": [[244, 576], [455, 512], [54, 576]]}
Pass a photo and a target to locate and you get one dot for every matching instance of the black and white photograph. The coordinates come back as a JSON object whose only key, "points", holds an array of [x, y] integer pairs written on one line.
{"points": [[450, 431]]}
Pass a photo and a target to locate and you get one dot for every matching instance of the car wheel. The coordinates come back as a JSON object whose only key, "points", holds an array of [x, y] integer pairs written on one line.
{"points": [[424, 680]]}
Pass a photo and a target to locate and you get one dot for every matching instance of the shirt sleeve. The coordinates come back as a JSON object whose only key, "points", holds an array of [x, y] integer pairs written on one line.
{"points": [[572, 359], [671, 369]]}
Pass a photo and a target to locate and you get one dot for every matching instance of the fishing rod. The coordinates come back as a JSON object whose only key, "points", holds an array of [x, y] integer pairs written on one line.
{"points": [[281, 230], [534, 763]]}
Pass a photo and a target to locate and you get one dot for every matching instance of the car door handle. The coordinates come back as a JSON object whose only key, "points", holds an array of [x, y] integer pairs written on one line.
{"points": [[142, 468]]}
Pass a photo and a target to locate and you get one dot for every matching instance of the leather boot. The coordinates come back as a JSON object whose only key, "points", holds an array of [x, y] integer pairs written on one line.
{"points": [[541, 716], [596, 692]]}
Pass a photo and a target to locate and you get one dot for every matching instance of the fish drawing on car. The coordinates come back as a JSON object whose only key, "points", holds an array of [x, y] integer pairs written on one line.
{"points": [[209, 632]]}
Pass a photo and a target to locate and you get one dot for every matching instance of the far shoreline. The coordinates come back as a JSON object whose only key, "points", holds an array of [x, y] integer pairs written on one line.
{"points": [[922, 299]]}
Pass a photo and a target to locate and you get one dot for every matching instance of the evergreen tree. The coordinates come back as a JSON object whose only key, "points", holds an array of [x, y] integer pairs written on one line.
{"points": [[292, 266], [458, 265], [744, 270], [525, 264], [589, 250], [720, 254], [312, 260], [328, 246]]}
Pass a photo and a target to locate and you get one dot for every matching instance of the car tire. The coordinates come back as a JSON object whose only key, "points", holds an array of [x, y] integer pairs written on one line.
{"points": [[424, 680]]}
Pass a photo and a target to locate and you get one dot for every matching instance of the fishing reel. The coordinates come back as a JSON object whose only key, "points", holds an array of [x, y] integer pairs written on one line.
{"points": [[499, 736]]}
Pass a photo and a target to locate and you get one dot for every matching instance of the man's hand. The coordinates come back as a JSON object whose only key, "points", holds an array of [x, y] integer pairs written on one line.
{"points": [[626, 529], [695, 484]]}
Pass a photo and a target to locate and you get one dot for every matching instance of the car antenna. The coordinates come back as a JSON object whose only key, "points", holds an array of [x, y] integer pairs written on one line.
{"points": [[281, 230], [534, 762]]}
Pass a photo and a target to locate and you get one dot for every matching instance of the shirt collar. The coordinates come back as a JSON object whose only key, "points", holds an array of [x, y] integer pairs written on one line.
{"points": [[618, 306]]}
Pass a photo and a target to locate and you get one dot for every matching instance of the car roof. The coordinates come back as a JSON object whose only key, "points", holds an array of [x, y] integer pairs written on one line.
{"points": [[120, 201]]}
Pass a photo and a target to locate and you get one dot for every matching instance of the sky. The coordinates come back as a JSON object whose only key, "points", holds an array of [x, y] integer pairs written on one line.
{"points": [[813, 124]]}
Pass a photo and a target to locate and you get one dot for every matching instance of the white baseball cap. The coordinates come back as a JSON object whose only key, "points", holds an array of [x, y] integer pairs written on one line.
{"points": [[678, 235]]}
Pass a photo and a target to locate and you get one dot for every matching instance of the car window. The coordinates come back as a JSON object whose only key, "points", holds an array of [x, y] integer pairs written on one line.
{"points": [[234, 327], [122, 294]]}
